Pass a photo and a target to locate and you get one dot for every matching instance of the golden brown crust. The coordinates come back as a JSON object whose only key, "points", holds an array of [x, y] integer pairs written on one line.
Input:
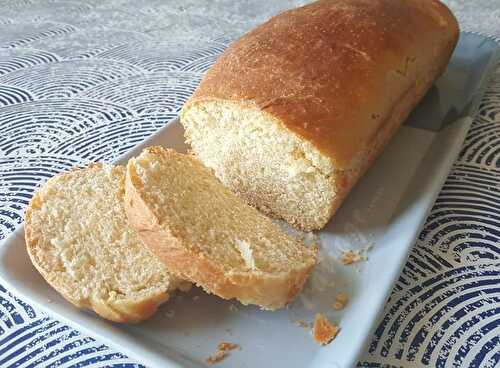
{"points": [[376, 51], [268, 291]]}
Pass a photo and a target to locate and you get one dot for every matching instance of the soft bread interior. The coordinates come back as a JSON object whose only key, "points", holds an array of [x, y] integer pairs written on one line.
{"points": [[78, 238], [256, 157], [209, 235]]}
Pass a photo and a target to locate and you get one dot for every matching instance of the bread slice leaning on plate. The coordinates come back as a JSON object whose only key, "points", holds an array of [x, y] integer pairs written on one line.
{"points": [[206, 234], [78, 238]]}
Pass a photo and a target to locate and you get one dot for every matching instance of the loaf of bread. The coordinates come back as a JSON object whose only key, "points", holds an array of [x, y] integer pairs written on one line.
{"points": [[293, 113], [206, 234], [78, 239]]}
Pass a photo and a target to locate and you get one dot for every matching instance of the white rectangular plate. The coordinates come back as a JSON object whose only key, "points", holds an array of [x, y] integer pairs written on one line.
{"points": [[385, 211]]}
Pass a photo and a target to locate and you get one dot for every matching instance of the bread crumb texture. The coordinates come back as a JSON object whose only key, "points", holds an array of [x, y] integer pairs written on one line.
{"points": [[227, 346], [323, 331], [352, 256], [78, 238], [222, 352], [256, 157], [341, 300], [293, 113], [207, 234], [217, 357]]}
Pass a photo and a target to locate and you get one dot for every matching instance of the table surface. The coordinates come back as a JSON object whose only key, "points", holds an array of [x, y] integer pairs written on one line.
{"points": [[86, 81]]}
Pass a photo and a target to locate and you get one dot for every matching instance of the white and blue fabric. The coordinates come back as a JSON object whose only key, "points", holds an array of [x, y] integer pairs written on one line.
{"points": [[82, 81]]}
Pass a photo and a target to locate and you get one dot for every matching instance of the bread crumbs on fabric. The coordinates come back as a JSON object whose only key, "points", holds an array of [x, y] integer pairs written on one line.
{"points": [[323, 331]]}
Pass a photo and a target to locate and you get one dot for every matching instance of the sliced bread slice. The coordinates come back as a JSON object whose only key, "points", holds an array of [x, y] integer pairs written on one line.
{"points": [[78, 238], [205, 233]]}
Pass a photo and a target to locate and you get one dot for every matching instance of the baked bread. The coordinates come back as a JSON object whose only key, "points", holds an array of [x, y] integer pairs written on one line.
{"points": [[206, 234], [78, 239], [323, 330], [293, 113]]}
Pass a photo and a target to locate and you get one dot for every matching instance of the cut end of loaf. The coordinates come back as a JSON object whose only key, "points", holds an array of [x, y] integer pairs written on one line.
{"points": [[78, 238], [206, 234], [294, 111], [262, 161]]}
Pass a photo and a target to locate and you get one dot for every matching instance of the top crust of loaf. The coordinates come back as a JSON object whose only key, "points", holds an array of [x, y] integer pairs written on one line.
{"points": [[371, 46], [78, 239], [206, 234]]}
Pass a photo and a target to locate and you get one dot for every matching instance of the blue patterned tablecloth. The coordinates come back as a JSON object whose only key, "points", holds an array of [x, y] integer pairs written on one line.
{"points": [[87, 80]]}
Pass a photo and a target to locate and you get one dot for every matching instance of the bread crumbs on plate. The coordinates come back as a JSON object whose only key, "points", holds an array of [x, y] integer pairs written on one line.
{"points": [[222, 352], [323, 331], [217, 357], [351, 256], [303, 324], [341, 300], [227, 346]]}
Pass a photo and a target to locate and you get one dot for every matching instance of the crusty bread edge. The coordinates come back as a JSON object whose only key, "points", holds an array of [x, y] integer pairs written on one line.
{"points": [[364, 160], [345, 180], [119, 311], [268, 291], [400, 113], [342, 181]]}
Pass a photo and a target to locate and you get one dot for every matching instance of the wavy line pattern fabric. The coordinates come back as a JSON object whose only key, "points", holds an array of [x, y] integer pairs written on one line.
{"points": [[86, 81]]}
